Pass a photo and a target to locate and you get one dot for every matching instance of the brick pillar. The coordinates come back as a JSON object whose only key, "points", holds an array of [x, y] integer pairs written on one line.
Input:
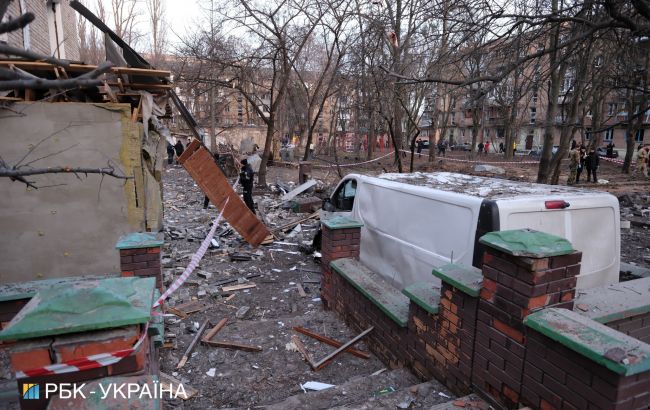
{"points": [[457, 324], [524, 271], [140, 256], [341, 239]]}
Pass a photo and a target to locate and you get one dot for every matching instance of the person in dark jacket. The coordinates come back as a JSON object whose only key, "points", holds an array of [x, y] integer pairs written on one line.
{"points": [[246, 180], [591, 163], [170, 153], [581, 165], [179, 149]]}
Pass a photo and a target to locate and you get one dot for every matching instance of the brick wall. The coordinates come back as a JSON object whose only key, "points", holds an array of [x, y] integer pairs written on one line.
{"points": [[425, 360], [455, 337], [143, 262], [39, 29], [388, 341], [636, 326], [556, 377], [513, 288], [336, 243]]}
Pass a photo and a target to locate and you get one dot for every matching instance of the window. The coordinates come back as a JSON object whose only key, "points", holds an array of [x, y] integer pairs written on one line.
{"points": [[609, 134], [611, 107], [55, 29], [533, 115], [535, 97], [344, 197], [598, 62], [588, 134], [567, 84], [639, 135]]}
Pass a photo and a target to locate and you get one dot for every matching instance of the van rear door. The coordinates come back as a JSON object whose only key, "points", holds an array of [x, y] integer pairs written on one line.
{"points": [[591, 223]]}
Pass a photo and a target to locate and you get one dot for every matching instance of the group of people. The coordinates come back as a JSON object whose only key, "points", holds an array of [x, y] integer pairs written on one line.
{"points": [[483, 148], [580, 159], [176, 150]]}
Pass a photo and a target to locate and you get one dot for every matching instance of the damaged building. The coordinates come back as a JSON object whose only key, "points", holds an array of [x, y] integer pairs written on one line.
{"points": [[131, 282]]}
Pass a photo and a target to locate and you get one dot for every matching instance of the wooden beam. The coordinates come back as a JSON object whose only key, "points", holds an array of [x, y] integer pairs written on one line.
{"points": [[238, 287], [215, 330], [232, 345], [303, 350], [327, 359], [85, 68], [331, 342], [188, 352]]}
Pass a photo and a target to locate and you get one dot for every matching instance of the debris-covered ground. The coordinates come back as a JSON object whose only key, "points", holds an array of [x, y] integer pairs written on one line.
{"points": [[265, 292], [282, 292]]}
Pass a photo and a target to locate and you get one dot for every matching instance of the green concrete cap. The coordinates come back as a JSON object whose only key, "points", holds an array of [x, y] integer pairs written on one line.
{"points": [[140, 240], [84, 306], [468, 280], [426, 295], [618, 352], [528, 243], [615, 302], [342, 222], [27, 290], [387, 298]]}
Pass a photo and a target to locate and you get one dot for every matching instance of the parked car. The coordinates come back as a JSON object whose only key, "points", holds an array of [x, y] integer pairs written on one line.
{"points": [[537, 151], [602, 152], [461, 147]]}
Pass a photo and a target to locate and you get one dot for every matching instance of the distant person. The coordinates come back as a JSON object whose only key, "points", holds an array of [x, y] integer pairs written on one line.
{"points": [[610, 150], [642, 162], [246, 176], [179, 149], [581, 164], [419, 147], [311, 150], [573, 144], [514, 148], [487, 147], [591, 163], [480, 147], [170, 153], [574, 162], [501, 148]]}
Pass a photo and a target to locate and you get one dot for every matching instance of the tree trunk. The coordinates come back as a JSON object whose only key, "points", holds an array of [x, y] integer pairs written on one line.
{"points": [[270, 129]]}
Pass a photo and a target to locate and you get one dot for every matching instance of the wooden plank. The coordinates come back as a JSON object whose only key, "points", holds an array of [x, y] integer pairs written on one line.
{"points": [[215, 330], [327, 359], [238, 287], [303, 350], [232, 345], [170, 383], [84, 68], [301, 291], [187, 353], [200, 164], [331, 342], [294, 223]]}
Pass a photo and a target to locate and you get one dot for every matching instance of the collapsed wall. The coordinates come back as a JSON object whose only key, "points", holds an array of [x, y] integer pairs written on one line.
{"points": [[68, 226]]}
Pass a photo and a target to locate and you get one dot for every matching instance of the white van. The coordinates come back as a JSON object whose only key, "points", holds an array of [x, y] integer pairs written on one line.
{"points": [[413, 222]]}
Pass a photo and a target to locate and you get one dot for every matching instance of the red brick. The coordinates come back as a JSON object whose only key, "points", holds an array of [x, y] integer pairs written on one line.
{"points": [[538, 302], [511, 394], [489, 285], [31, 359], [128, 273], [544, 405], [126, 259], [487, 295], [509, 331]]}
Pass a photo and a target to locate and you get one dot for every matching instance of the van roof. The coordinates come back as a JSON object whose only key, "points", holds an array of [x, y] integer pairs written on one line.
{"points": [[488, 188]]}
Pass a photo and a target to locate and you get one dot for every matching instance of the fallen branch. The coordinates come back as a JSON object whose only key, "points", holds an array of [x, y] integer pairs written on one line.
{"points": [[19, 173], [232, 345], [30, 55], [215, 330], [17, 23], [21, 81]]}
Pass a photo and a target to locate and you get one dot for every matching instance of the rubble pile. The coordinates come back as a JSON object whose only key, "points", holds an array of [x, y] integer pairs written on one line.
{"points": [[635, 235]]}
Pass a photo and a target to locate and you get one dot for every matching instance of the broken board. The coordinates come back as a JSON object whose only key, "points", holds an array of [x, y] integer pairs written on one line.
{"points": [[299, 190], [200, 164]]}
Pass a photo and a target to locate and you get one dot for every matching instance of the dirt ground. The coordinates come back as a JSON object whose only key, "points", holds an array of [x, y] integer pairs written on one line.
{"points": [[264, 315]]}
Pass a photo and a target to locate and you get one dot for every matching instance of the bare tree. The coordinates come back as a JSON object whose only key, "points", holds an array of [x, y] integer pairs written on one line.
{"points": [[156, 13], [126, 19]]}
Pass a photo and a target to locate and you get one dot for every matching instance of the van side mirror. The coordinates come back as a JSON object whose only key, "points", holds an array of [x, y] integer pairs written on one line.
{"points": [[327, 205]]}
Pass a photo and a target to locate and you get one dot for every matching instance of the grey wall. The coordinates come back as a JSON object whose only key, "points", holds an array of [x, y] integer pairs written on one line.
{"points": [[72, 229]]}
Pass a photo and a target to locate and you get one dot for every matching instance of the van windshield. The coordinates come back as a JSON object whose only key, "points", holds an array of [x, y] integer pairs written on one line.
{"points": [[344, 196]]}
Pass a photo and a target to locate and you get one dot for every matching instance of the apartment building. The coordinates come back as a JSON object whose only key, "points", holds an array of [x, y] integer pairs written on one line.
{"points": [[53, 32]]}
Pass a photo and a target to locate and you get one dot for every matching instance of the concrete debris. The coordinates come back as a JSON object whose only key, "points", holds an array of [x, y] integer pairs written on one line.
{"points": [[317, 386]]}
